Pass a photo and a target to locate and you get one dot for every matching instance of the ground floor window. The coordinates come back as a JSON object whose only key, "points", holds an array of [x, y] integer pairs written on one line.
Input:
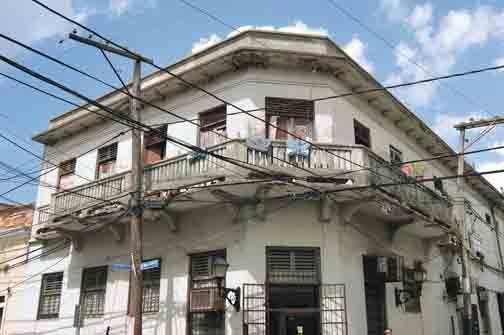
{"points": [[206, 304], [94, 283]]}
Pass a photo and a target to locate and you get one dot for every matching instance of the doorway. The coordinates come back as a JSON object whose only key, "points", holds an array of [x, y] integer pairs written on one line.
{"points": [[294, 310], [374, 286]]}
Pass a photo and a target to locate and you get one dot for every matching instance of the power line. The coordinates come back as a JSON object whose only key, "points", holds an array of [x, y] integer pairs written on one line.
{"points": [[391, 46], [125, 90]]}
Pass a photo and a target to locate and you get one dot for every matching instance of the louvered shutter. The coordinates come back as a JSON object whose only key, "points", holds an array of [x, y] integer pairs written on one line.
{"points": [[67, 167], [107, 153], [155, 137], [297, 108], [204, 292], [296, 265], [213, 118]]}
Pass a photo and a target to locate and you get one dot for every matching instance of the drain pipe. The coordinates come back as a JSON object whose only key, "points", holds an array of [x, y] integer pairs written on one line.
{"points": [[497, 235]]}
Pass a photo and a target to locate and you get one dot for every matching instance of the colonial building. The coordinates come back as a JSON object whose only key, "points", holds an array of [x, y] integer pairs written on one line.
{"points": [[15, 227], [332, 236]]}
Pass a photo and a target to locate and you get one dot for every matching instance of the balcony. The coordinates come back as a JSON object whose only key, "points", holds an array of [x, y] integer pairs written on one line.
{"points": [[333, 159]]}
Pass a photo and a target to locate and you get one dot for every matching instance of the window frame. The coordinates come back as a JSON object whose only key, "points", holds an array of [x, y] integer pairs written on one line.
{"points": [[143, 291], [213, 126], [160, 142], [103, 268], [288, 116], [190, 286], [394, 151], [41, 316], [357, 124], [318, 265], [102, 161], [66, 173]]}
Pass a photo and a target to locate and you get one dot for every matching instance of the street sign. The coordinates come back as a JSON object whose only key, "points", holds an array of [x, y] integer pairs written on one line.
{"points": [[121, 266], [152, 264], [154, 204]]}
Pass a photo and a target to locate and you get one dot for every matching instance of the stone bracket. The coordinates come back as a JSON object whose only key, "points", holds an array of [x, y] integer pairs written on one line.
{"points": [[325, 209], [348, 209], [74, 237], [117, 231], [394, 228]]}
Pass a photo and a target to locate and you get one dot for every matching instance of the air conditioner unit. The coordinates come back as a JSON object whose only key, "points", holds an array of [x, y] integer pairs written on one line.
{"points": [[206, 299]]}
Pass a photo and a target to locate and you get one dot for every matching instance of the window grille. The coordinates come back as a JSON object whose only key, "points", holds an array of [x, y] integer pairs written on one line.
{"points": [[50, 295], [293, 265], [254, 309], [333, 309], [362, 134], [94, 283], [206, 305]]}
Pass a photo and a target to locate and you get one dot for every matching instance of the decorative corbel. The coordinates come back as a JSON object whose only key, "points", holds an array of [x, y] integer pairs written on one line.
{"points": [[170, 219], [260, 207], [393, 228], [117, 232], [74, 237], [348, 209]]}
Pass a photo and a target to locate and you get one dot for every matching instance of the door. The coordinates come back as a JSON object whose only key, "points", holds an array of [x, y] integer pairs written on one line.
{"points": [[374, 286], [294, 310]]}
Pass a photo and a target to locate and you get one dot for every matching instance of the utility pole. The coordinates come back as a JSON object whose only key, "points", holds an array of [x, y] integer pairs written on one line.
{"points": [[136, 181], [460, 218]]}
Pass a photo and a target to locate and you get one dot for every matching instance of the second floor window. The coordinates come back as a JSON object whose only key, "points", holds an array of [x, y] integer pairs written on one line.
{"points": [[94, 283], [362, 134], [66, 174], [50, 295], [154, 145], [107, 158], [212, 127], [292, 115], [396, 156]]}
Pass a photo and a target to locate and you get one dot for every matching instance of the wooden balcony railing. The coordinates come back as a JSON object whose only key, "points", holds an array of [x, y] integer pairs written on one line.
{"points": [[326, 159]]}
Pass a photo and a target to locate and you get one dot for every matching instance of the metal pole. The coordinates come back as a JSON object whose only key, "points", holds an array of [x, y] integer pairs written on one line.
{"points": [[460, 216], [136, 203]]}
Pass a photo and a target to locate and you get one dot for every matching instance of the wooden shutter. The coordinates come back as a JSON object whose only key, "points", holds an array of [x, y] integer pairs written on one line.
{"points": [[68, 167], [213, 118], [297, 108], [201, 264], [293, 265], [107, 153], [155, 137]]}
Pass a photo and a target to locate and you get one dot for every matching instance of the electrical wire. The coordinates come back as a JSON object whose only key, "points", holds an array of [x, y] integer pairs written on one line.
{"points": [[127, 92]]}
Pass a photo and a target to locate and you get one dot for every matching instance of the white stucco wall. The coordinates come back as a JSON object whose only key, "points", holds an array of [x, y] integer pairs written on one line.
{"points": [[342, 247]]}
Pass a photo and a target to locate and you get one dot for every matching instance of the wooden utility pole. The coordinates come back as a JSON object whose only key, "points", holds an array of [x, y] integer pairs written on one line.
{"points": [[136, 181], [460, 218], [136, 204]]}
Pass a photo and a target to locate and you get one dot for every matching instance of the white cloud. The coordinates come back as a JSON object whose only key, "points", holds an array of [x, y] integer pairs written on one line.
{"points": [[499, 62], [205, 42], [120, 7], [497, 179], [298, 27], [356, 49], [437, 46], [421, 16], [394, 10], [30, 24], [443, 125]]}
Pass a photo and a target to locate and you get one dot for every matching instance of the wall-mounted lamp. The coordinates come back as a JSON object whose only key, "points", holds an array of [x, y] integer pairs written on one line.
{"points": [[232, 295], [415, 277]]}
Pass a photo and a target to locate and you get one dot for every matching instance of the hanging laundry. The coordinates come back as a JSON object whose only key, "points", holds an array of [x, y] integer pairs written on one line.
{"points": [[259, 143], [195, 156], [297, 147]]}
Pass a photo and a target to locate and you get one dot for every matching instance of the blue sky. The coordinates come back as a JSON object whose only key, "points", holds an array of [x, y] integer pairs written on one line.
{"points": [[443, 37]]}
